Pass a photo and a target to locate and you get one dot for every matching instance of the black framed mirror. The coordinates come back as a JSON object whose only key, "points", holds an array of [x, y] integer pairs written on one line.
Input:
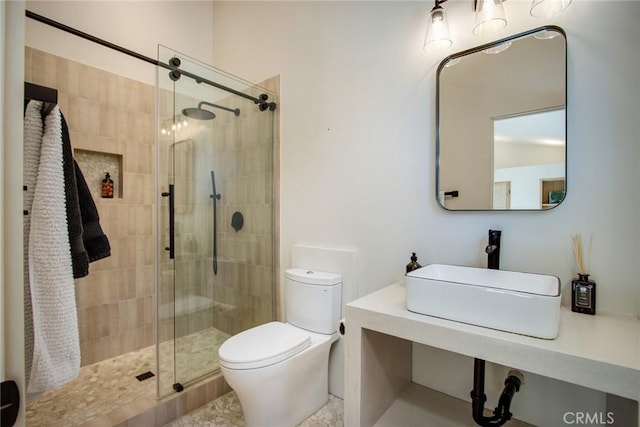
{"points": [[501, 139]]}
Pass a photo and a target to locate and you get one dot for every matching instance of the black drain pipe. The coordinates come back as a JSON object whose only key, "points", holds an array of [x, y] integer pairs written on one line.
{"points": [[501, 413]]}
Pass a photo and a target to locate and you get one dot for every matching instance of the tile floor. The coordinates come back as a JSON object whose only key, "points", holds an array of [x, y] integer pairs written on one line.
{"points": [[226, 411]]}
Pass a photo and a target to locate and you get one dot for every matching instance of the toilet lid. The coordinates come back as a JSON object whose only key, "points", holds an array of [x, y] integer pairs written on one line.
{"points": [[263, 345]]}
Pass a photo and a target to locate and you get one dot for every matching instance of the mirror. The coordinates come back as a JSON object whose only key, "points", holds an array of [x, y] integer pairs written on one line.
{"points": [[501, 124]]}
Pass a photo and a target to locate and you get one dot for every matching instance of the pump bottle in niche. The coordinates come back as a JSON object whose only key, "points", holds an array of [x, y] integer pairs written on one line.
{"points": [[107, 186]]}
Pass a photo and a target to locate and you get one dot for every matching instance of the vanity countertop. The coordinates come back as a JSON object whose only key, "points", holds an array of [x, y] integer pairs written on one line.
{"points": [[600, 352]]}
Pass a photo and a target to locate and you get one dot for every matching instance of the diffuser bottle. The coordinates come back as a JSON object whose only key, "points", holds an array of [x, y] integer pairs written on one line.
{"points": [[583, 295], [583, 290]]}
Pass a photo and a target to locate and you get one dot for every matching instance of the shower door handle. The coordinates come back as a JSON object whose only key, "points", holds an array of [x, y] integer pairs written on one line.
{"points": [[215, 196], [172, 236]]}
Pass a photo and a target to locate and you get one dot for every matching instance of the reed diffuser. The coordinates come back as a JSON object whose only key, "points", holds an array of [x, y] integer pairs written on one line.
{"points": [[583, 290]]}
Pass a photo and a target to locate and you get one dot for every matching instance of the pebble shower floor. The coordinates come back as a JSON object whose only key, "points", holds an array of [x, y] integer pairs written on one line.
{"points": [[107, 386]]}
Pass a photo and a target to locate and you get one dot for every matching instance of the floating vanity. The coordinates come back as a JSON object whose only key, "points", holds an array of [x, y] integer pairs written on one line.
{"points": [[600, 352]]}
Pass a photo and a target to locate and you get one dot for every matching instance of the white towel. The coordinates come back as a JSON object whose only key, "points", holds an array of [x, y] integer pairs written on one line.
{"points": [[33, 128], [56, 352]]}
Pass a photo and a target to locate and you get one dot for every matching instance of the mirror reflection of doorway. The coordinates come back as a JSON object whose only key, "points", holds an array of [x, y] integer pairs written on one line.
{"points": [[502, 195], [528, 148]]}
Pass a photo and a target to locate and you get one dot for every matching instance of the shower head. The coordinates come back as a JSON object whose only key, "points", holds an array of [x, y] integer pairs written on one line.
{"points": [[198, 113]]}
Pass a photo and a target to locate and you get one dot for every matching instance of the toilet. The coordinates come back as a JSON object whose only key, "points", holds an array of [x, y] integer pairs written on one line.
{"points": [[280, 371]]}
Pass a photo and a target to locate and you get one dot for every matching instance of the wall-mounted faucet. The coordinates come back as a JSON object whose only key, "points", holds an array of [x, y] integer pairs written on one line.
{"points": [[493, 250]]}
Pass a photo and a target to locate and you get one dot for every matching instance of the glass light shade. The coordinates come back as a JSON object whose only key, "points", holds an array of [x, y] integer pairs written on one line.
{"points": [[438, 36], [548, 7], [490, 17]]}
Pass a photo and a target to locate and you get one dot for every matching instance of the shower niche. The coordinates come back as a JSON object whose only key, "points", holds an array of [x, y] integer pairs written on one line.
{"points": [[95, 164]]}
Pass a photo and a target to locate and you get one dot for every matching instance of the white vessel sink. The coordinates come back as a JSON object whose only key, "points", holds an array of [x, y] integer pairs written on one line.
{"points": [[523, 303]]}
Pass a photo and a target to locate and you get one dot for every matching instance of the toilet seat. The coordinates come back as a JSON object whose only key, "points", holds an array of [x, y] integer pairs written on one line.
{"points": [[262, 346]]}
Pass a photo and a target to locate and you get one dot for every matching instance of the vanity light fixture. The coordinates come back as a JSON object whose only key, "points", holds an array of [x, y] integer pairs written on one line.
{"points": [[490, 18], [548, 7], [438, 37]]}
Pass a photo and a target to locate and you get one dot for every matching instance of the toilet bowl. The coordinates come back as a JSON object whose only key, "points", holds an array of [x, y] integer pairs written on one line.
{"points": [[280, 371]]}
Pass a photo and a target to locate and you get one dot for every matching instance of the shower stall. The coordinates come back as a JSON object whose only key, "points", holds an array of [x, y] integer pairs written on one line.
{"points": [[194, 155], [215, 215]]}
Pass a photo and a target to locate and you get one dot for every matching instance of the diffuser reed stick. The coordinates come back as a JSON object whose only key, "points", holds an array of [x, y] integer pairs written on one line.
{"points": [[578, 252]]}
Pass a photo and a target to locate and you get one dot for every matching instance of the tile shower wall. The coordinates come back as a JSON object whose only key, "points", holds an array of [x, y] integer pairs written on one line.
{"points": [[246, 275], [107, 113]]}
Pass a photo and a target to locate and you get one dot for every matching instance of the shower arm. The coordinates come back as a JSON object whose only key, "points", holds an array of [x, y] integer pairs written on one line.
{"points": [[215, 196], [235, 111]]}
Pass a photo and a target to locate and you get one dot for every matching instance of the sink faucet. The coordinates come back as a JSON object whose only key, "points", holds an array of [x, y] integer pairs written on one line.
{"points": [[493, 250]]}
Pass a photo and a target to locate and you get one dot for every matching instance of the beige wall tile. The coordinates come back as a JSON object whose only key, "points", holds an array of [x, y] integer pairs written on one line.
{"points": [[107, 121], [171, 410], [44, 69], [28, 64], [196, 397]]}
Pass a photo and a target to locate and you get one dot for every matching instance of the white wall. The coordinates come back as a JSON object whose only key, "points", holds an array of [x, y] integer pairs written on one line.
{"points": [[510, 155], [358, 137], [140, 26], [358, 145], [355, 150], [11, 113]]}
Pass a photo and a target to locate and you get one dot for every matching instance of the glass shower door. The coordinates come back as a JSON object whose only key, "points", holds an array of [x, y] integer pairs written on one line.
{"points": [[215, 172]]}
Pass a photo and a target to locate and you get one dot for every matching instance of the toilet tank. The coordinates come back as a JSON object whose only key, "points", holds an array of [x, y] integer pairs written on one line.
{"points": [[313, 300]]}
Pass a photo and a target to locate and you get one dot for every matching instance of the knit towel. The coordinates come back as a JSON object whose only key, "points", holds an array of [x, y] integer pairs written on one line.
{"points": [[33, 128], [56, 352]]}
